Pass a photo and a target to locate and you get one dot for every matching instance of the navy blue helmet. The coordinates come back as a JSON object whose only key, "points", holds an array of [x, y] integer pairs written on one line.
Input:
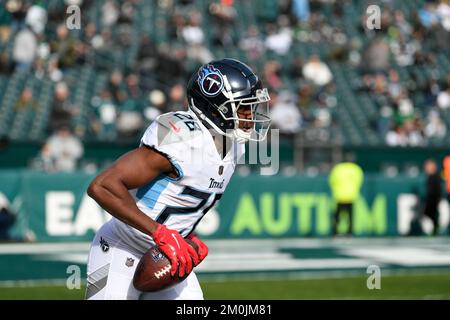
{"points": [[219, 89]]}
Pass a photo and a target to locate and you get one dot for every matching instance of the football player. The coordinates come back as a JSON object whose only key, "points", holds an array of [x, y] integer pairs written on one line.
{"points": [[159, 192]]}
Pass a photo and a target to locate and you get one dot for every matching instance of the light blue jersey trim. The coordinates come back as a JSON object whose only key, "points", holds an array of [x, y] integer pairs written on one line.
{"points": [[150, 193], [178, 169]]}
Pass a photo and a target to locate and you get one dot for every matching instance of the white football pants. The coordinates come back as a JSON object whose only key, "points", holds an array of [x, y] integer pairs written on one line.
{"points": [[111, 267]]}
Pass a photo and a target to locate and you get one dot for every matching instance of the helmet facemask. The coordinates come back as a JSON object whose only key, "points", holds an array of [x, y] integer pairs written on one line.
{"points": [[258, 118]]}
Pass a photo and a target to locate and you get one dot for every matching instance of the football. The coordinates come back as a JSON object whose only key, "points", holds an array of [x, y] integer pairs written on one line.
{"points": [[153, 271]]}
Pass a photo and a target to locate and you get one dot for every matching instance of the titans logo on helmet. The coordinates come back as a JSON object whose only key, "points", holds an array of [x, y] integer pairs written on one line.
{"points": [[210, 80]]}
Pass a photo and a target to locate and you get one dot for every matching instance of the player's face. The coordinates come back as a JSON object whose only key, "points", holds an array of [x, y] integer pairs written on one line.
{"points": [[245, 112]]}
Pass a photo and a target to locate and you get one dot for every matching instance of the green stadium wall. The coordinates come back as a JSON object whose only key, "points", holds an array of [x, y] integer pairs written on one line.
{"points": [[55, 207]]}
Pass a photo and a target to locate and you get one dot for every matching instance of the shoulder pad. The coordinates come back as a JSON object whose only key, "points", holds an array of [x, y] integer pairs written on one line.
{"points": [[176, 127]]}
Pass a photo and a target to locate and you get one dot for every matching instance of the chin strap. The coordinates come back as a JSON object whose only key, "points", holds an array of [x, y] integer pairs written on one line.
{"points": [[241, 136]]}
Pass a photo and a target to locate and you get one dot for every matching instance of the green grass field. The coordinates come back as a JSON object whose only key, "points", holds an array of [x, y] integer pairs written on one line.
{"points": [[408, 286]]}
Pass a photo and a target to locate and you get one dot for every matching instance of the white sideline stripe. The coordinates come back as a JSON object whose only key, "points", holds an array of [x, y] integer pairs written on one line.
{"points": [[282, 261], [39, 248], [260, 245], [78, 258], [402, 256], [280, 264], [250, 262], [81, 258], [247, 255]]}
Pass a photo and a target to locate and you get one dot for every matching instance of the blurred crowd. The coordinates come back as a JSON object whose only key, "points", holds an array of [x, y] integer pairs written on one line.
{"points": [[302, 87], [413, 41]]}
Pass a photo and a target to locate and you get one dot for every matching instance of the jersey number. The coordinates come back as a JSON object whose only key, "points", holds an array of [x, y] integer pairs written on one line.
{"points": [[202, 196], [188, 121]]}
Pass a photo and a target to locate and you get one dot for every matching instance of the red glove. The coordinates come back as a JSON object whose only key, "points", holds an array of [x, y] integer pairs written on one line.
{"points": [[202, 247], [177, 250]]}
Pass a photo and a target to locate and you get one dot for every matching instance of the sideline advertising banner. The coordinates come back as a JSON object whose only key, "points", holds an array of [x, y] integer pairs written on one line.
{"points": [[55, 207]]}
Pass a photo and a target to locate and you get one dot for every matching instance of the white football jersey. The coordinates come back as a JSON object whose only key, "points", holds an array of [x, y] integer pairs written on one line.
{"points": [[180, 203]]}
